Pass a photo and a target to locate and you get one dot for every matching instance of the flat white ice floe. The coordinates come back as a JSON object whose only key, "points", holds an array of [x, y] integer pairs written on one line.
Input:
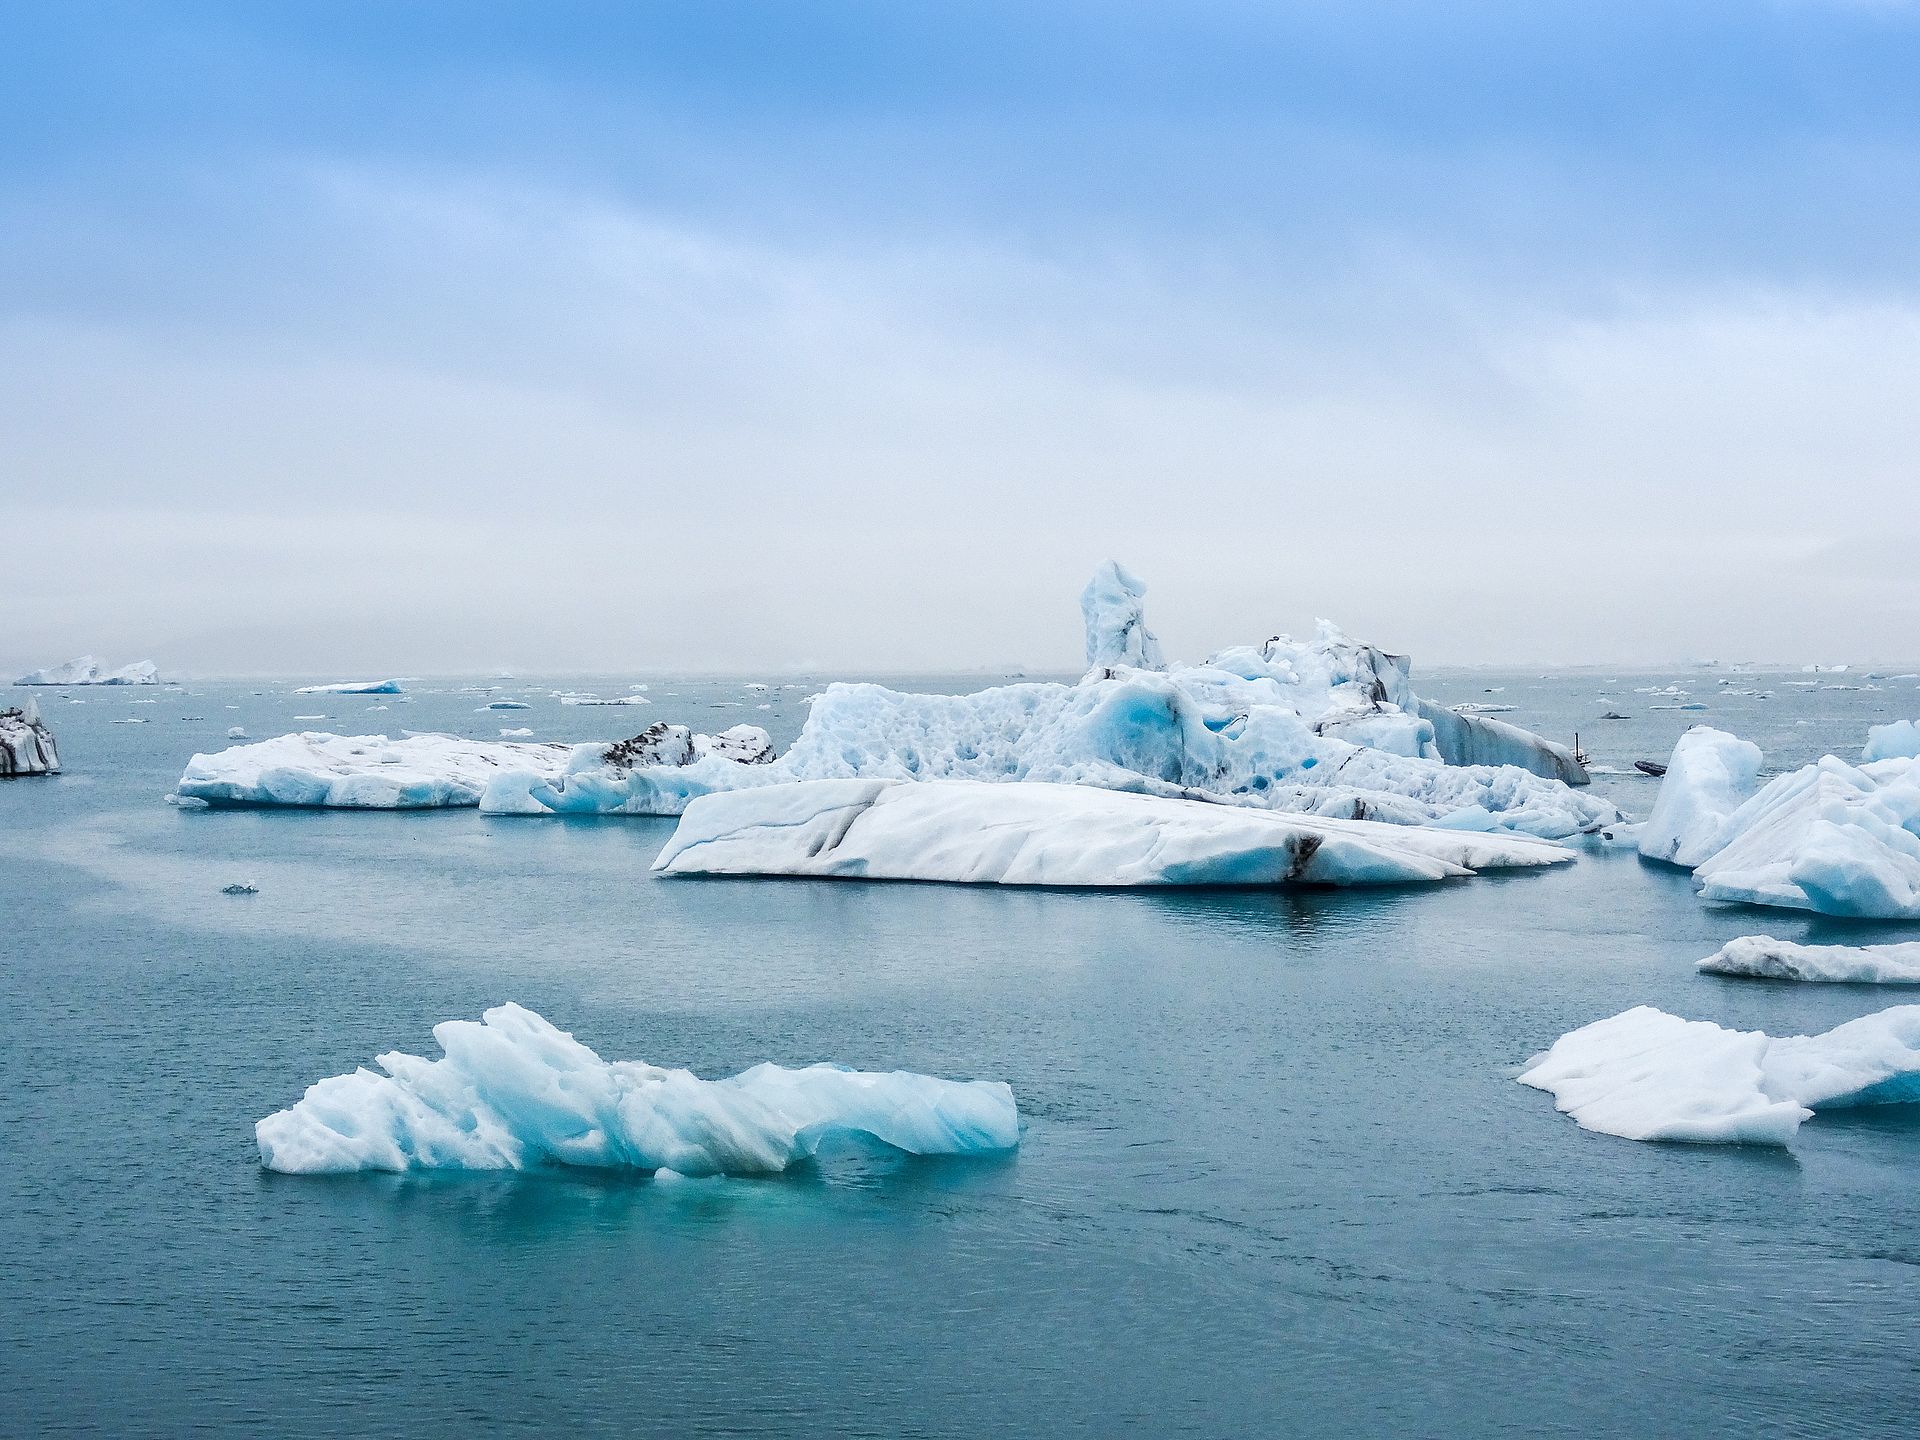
{"points": [[366, 772], [512, 1092], [980, 832], [352, 687], [1763, 957], [26, 744], [86, 670], [1648, 1075], [1831, 837]]}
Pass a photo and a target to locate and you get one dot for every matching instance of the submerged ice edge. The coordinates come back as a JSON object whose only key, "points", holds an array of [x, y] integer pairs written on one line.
{"points": [[513, 1092]]}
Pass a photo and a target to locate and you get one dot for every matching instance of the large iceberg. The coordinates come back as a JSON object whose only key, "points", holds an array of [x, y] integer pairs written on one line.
{"points": [[1831, 837], [512, 1092], [975, 832], [1327, 726], [1764, 958], [352, 687], [1648, 1075], [86, 670], [26, 744]]}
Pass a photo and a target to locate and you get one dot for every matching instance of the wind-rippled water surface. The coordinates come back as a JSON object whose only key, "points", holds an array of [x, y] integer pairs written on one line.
{"points": [[1276, 1176]]}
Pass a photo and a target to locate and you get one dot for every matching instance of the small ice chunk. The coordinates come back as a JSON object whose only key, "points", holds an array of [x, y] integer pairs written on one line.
{"points": [[352, 687], [1763, 957]]}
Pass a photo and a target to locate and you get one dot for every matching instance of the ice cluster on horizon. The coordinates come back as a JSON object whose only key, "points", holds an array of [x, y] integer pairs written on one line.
{"points": [[1831, 837], [977, 832], [1326, 726], [26, 744], [86, 670], [1648, 1075], [352, 687], [1762, 957], [512, 1092]]}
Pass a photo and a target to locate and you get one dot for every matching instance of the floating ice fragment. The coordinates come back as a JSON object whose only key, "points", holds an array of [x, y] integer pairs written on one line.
{"points": [[512, 1092]]}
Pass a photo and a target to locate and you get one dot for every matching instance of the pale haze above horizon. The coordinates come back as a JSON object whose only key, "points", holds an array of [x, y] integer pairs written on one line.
{"points": [[370, 339]]}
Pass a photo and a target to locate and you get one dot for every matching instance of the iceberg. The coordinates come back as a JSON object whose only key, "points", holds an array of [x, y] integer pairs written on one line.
{"points": [[26, 744], [657, 772], [418, 771], [1898, 741], [364, 772], [512, 1092], [352, 687], [985, 833], [1327, 726], [1648, 1075], [1709, 776], [85, 670], [1763, 957], [1830, 837]]}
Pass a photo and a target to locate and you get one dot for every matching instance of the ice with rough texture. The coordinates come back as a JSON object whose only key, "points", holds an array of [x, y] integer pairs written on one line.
{"points": [[977, 832], [1831, 837], [512, 1092], [1898, 741], [1709, 776], [1113, 608], [352, 687], [1648, 1075], [655, 773], [1763, 957], [86, 670], [361, 772], [26, 744]]}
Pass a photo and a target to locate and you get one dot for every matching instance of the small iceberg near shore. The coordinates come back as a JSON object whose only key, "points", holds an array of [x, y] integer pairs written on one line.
{"points": [[1830, 837], [86, 670], [1761, 957], [512, 1092], [352, 687], [26, 744], [985, 833], [1648, 1075]]}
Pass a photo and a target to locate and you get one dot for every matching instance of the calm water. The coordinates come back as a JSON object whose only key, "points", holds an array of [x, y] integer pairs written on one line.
{"points": [[1276, 1177]]}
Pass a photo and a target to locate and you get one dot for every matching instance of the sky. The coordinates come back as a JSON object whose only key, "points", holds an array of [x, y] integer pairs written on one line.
{"points": [[432, 335]]}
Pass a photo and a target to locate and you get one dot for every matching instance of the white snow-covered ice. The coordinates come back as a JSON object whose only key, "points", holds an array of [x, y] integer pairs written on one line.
{"points": [[1898, 741], [1648, 1075], [352, 687], [979, 832], [1831, 837], [365, 772], [26, 744], [512, 1092], [1763, 957], [86, 670]]}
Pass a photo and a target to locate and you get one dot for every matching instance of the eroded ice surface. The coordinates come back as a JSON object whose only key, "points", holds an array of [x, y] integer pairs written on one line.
{"points": [[352, 687], [1832, 837], [1648, 1075], [26, 744], [1044, 834], [512, 1092], [366, 772], [86, 670], [1763, 957]]}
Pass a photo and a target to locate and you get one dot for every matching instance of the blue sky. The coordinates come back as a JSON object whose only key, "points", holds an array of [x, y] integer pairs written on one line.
{"points": [[433, 334]]}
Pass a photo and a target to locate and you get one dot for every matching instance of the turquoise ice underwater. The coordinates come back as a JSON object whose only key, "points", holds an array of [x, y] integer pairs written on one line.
{"points": [[1275, 1173]]}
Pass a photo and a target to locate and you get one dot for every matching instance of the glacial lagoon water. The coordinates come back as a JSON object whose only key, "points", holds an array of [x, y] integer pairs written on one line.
{"points": [[1276, 1176]]}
